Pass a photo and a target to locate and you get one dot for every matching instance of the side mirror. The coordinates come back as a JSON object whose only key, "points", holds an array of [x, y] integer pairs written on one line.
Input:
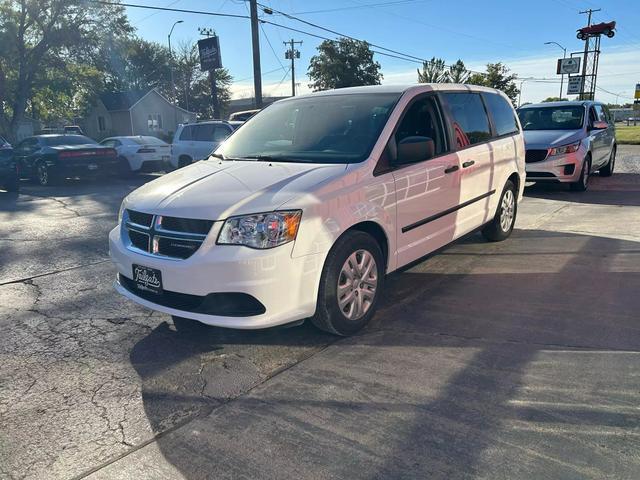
{"points": [[415, 149], [600, 125]]}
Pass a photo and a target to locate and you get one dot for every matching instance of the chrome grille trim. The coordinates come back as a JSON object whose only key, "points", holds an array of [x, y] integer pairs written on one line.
{"points": [[154, 232]]}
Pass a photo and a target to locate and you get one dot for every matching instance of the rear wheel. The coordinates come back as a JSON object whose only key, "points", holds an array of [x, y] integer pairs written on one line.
{"points": [[12, 184], [607, 170], [352, 278], [184, 160], [505, 218], [44, 175], [583, 182]]}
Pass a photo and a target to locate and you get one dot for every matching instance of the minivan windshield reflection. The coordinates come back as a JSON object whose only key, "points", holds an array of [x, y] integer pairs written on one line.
{"points": [[316, 129], [552, 118]]}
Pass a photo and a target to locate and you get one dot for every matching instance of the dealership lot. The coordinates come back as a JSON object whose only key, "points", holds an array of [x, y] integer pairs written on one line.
{"points": [[516, 359]]}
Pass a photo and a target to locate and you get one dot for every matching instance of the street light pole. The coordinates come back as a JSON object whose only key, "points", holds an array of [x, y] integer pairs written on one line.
{"points": [[564, 55], [173, 83]]}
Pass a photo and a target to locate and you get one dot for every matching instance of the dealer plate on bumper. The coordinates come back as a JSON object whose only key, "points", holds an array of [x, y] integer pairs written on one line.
{"points": [[147, 279]]}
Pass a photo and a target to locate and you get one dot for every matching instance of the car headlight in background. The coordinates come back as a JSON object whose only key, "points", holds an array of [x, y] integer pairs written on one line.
{"points": [[262, 230], [564, 149]]}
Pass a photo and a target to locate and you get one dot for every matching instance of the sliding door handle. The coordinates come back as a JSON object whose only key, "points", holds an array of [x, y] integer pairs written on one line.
{"points": [[451, 169], [468, 164]]}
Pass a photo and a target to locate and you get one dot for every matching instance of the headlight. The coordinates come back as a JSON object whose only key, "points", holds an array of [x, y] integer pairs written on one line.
{"points": [[564, 149], [262, 230], [120, 213]]}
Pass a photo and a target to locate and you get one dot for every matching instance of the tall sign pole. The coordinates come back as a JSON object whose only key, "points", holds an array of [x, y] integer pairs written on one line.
{"points": [[585, 58], [210, 61], [292, 54], [255, 42]]}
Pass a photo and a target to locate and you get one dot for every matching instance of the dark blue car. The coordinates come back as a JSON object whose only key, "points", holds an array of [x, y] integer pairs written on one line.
{"points": [[9, 178]]}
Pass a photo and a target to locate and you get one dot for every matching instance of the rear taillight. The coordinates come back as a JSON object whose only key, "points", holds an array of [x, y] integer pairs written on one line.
{"points": [[147, 150], [78, 153], [111, 153]]}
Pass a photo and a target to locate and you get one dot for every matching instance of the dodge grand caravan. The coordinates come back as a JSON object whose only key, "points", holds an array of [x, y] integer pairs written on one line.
{"points": [[303, 211]]}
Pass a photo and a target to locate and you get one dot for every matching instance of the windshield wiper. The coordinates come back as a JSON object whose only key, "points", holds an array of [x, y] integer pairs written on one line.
{"points": [[272, 158]]}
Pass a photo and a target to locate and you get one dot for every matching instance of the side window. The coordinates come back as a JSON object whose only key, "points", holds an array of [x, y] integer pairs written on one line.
{"points": [[503, 115], [602, 116], [187, 133], [470, 121], [221, 132], [593, 116], [423, 120], [203, 132], [108, 143]]}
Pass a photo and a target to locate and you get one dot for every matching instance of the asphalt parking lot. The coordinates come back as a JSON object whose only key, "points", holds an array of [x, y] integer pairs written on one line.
{"points": [[511, 360]]}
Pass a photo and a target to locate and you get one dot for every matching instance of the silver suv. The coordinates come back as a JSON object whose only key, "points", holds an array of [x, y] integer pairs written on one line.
{"points": [[568, 141], [195, 141]]}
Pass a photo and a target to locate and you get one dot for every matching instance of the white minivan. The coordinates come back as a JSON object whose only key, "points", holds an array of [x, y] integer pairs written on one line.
{"points": [[304, 210]]}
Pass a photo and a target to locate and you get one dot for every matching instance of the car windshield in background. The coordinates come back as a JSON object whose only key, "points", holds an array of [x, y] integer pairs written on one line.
{"points": [[147, 141], [68, 140], [316, 129], [552, 118]]}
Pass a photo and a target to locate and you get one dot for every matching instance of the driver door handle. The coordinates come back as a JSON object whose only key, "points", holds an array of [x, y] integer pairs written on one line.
{"points": [[468, 164], [451, 169]]}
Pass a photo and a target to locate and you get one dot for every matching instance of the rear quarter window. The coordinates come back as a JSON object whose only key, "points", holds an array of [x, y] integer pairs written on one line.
{"points": [[469, 117], [504, 117], [186, 134]]}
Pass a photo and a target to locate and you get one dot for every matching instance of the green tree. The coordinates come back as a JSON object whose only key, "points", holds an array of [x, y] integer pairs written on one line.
{"points": [[554, 99], [433, 71], [43, 38], [458, 73], [343, 63], [497, 77]]}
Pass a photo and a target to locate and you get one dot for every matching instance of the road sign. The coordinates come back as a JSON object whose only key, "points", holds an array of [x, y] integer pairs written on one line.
{"points": [[637, 90], [575, 86], [567, 66], [209, 49]]}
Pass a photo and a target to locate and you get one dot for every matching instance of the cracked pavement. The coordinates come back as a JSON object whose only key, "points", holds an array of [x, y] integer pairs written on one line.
{"points": [[508, 360]]}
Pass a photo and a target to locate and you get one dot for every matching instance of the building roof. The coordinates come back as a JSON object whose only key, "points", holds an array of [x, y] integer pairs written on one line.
{"points": [[122, 100]]}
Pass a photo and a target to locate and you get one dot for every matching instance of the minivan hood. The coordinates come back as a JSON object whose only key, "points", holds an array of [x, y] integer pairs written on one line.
{"points": [[551, 138], [216, 190]]}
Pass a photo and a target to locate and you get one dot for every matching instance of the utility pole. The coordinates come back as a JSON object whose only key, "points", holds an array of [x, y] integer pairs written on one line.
{"points": [[292, 54], [255, 42], [585, 57]]}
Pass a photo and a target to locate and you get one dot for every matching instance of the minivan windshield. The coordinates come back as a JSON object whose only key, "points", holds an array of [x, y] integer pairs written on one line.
{"points": [[568, 117], [315, 129]]}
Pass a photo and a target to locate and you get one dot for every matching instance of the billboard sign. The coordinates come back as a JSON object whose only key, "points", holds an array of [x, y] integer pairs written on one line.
{"points": [[574, 86], [568, 66], [209, 49]]}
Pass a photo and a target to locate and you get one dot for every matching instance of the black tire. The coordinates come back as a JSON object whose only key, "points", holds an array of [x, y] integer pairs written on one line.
{"points": [[184, 160], [124, 168], [501, 226], [44, 176], [607, 170], [329, 316], [583, 182], [13, 184]]}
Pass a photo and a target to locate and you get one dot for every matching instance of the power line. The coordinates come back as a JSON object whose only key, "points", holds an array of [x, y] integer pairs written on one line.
{"points": [[167, 9], [338, 9]]}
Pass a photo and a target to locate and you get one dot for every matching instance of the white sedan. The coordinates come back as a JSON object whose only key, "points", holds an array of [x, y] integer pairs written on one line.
{"points": [[140, 153]]}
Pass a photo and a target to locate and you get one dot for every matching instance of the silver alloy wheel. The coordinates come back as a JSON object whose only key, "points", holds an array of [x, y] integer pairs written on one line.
{"points": [[43, 174], [357, 284], [507, 210]]}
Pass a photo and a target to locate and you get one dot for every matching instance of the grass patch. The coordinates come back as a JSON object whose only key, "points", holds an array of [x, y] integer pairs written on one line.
{"points": [[628, 135]]}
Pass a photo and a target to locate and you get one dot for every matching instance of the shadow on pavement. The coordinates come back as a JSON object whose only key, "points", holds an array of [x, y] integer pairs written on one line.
{"points": [[491, 368]]}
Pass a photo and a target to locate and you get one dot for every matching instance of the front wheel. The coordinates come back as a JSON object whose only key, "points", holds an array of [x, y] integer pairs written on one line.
{"points": [[505, 218], [607, 170], [352, 278], [44, 175], [583, 182]]}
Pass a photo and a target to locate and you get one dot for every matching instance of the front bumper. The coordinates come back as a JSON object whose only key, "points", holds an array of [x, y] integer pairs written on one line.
{"points": [[560, 168], [287, 287]]}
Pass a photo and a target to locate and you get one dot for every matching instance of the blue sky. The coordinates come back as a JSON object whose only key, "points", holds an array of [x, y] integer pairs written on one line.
{"points": [[478, 32]]}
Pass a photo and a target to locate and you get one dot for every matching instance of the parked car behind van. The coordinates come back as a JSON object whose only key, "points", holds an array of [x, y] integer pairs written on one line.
{"points": [[195, 141], [568, 141], [140, 153], [304, 210], [51, 158]]}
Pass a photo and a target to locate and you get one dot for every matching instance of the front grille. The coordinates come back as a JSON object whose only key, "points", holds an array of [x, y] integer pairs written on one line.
{"points": [[165, 236], [229, 304], [532, 156]]}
